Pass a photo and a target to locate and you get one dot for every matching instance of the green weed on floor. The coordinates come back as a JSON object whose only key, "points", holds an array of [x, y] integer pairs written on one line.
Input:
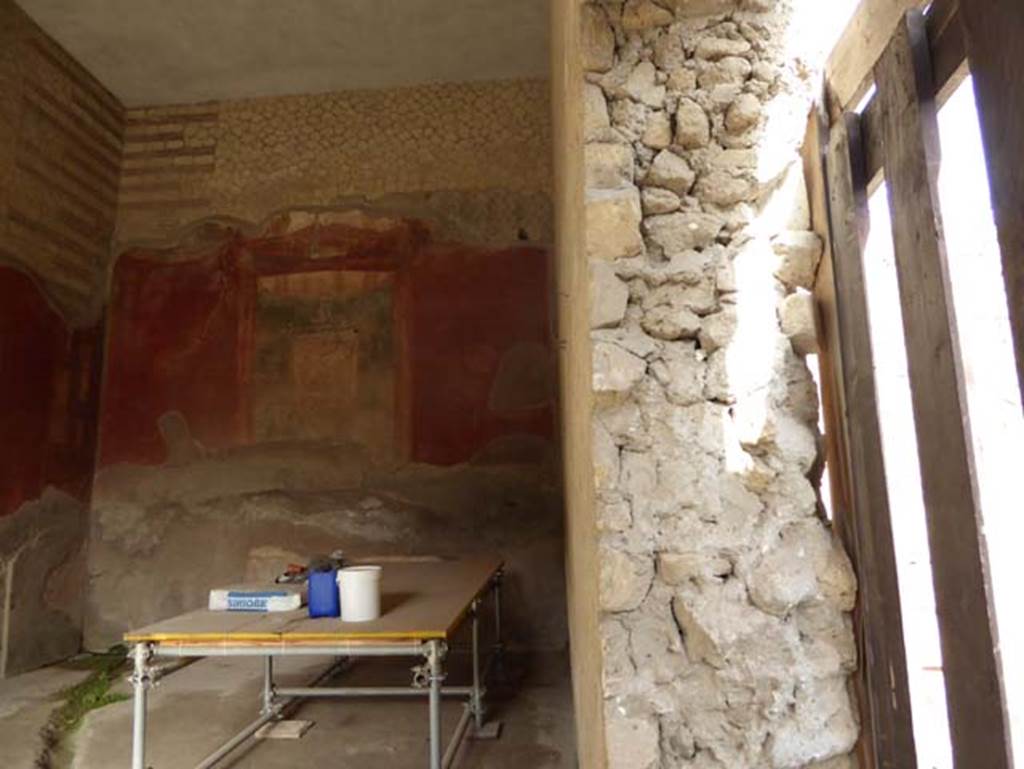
{"points": [[79, 700]]}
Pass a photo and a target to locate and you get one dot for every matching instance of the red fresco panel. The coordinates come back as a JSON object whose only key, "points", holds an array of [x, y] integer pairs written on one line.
{"points": [[470, 307], [180, 339], [47, 388]]}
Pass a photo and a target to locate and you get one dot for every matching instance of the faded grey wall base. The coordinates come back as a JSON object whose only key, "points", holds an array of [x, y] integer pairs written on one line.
{"points": [[162, 537], [43, 546]]}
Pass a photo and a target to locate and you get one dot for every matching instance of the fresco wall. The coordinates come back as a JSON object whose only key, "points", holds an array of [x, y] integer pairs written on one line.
{"points": [[60, 153], [329, 328], [353, 382], [48, 386], [323, 359]]}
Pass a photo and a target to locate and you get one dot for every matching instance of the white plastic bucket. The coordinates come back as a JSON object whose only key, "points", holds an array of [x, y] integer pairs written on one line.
{"points": [[359, 591]]}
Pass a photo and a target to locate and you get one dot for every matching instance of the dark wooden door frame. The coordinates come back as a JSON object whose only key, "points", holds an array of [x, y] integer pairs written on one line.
{"points": [[923, 63]]}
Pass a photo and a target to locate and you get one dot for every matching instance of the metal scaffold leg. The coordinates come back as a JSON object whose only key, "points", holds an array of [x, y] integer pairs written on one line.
{"points": [[141, 681], [435, 668]]}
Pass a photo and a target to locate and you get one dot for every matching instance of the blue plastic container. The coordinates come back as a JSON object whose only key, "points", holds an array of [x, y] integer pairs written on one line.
{"points": [[323, 594]]}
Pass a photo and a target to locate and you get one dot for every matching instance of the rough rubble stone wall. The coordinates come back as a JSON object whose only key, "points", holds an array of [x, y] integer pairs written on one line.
{"points": [[474, 151], [725, 628]]}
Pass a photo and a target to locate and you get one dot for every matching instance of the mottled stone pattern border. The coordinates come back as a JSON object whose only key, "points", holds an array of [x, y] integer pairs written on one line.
{"points": [[248, 159], [725, 598], [60, 157]]}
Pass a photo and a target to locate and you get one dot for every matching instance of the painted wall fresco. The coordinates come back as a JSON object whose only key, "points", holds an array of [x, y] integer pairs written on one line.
{"points": [[426, 352], [60, 164], [323, 384], [48, 385], [324, 362], [478, 344], [176, 376]]}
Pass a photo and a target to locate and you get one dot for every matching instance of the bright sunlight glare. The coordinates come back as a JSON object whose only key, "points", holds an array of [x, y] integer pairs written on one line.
{"points": [[994, 406]]}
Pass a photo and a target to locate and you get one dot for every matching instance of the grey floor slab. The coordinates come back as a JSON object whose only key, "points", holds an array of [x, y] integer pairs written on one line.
{"points": [[26, 702], [196, 708]]}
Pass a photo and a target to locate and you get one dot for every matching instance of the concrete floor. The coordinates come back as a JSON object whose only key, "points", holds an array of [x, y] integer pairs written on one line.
{"points": [[26, 702], [196, 708]]}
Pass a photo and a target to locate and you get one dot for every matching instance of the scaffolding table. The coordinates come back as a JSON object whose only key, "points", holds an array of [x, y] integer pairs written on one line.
{"points": [[423, 603]]}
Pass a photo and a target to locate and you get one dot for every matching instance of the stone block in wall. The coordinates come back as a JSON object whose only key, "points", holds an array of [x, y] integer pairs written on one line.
{"points": [[693, 129], [638, 15], [655, 200], [607, 166], [798, 253], [681, 370], [596, 123], [625, 422], [683, 567], [629, 119], [609, 295], [633, 742], [642, 86], [671, 320], [743, 114], [596, 39], [616, 370], [731, 70], [618, 669], [713, 47], [681, 80], [829, 645], [718, 330], [719, 624], [821, 725], [670, 171], [614, 514], [612, 222], [803, 565], [684, 231], [704, 7], [606, 458], [796, 316], [624, 580], [658, 132], [726, 188]]}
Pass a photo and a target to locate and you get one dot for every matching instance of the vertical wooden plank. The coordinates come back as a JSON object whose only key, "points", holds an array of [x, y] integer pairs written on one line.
{"points": [[889, 718], [977, 714], [833, 404], [582, 568], [948, 48], [829, 348], [949, 68], [994, 32]]}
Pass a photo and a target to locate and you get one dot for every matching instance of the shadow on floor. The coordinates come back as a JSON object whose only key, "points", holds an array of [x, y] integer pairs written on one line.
{"points": [[199, 707]]}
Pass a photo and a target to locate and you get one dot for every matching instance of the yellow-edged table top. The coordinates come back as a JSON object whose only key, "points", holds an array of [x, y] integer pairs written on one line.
{"points": [[420, 600]]}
